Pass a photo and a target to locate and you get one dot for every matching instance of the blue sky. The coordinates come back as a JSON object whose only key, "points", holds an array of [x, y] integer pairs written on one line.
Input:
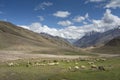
{"points": [[59, 15]]}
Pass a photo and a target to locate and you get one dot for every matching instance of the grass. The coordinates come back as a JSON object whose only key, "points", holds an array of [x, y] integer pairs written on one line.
{"points": [[60, 71]]}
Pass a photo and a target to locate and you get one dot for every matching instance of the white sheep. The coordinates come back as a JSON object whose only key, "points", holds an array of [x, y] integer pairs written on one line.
{"points": [[76, 67], [90, 63], [103, 59], [37, 64], [11, 64], [41, 64], [94, 66], [51, 64], [82, 66], [70, 68]]}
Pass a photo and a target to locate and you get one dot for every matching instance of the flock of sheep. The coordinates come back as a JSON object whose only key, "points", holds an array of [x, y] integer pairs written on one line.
{"points": [[74, 67]]}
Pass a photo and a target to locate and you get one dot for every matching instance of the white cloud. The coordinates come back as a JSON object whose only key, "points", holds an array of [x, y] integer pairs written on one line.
{"points": [[24, 26], [65, 23], [81, 18], [62, 14], [43, 5], [108, 21], [86, 15], [113, 4], [96, 0], [93, 1], [41, 18], [85, 23], [110, 4]]}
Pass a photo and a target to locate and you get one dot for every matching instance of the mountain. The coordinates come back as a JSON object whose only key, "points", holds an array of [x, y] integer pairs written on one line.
{"points": [[87, 40], [114, 42], [13, 37], [97, 39], [111, 47], [56, 39], [72, 40]]}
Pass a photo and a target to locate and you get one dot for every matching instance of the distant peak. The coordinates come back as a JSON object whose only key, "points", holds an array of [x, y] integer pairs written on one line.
{"points": [[91, 33]]}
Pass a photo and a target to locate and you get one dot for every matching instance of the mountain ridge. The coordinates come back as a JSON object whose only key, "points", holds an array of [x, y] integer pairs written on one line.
{"points": [[13, 37], [97, 38], [111, 47]]}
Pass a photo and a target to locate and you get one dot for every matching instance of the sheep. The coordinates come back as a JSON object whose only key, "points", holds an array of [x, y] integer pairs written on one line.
{"points": [[37, 64], [76, 67], [41, 64], [57, 63], [103, 59], [52, 64], [94, 66], [90, 63], [29, 63], [70, 68], [82, 66], [97, 59], [11, 64], [101, 68]]}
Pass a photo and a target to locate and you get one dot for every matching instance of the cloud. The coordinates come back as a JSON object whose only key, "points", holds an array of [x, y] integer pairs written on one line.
{"points": [[109, 4], [43, 6], [65, 23], [107, 22], [24, 26], [62, 14], [80, 18], [96, 0], [86, 15], [113, 4], [85, 23], [41, 18]]}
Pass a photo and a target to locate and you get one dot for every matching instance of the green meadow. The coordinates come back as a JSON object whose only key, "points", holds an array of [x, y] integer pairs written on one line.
{"points": [[28, 70]]}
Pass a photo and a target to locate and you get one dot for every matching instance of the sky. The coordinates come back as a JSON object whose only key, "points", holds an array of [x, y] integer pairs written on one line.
{"points": [[69, 19]]}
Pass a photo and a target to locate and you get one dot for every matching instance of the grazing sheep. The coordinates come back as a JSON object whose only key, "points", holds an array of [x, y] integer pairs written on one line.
{"points": [[94, 66], [41, 64], [37, 64], [57, 63], [76, 67], [103, 59], [97, 59], [90, 63], [101, 68], [82, 66], [52, 64], [11, 64], [70, 68], [28, 64]]}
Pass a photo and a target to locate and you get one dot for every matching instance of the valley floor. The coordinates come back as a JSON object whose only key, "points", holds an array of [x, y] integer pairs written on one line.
{"points": [[17, 65], [15, 55]]}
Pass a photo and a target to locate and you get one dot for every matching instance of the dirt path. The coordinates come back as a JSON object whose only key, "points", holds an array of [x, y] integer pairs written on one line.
{"points": [[14, 55]]}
